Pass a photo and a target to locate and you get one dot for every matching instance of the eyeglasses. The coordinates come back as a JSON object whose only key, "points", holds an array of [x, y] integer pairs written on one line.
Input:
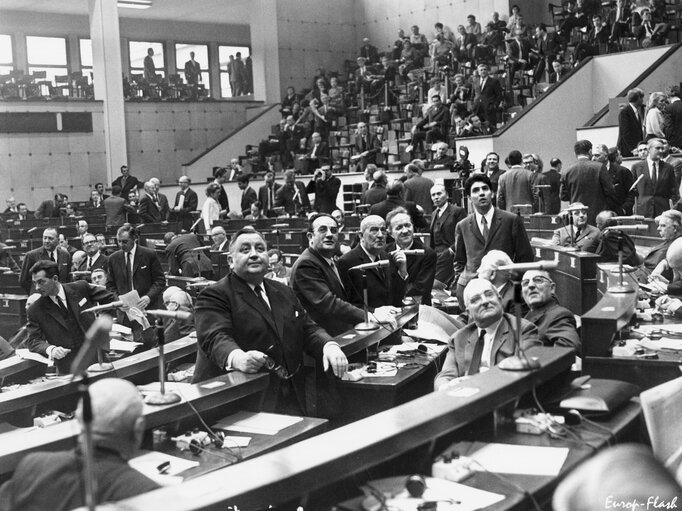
{"points": [[278, 369], [537, 280]]}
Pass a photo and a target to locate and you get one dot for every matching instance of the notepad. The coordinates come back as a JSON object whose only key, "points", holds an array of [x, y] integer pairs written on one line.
{"points": [[148, 464], [125, 346], [258, 423], [520, 459]]}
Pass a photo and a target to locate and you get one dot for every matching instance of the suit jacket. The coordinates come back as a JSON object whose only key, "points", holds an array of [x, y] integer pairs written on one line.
{"points": [[418, 190], [115, 210], [48, 326], [191, 202], [285, 198], [556, 326], [229, 315], [608, 249], [47, 209], [326, 191], [552, 199], [263, 198], [630, 131], [384, 207], [515, 187], [222, 198], [587, 240], [372, 145], [40, 254], [192, 71], [384, 285], [674, 130], [442, 232], [321, 156], [440, 116], [100, 263], [461, 347], [96, 203], [131, 184], [183, 260], [588, 182], [506, 233], [374, 195], [322, 294], [421, 270], [148, 277], [654, 201], [622, 182], [150, 213], [657, 254], [486, 100], [248, 197]]}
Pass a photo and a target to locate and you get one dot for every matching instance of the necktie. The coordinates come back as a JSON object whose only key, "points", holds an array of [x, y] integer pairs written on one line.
{"points": [[486, 230], [53, 256], [62, 306], [478, 352], [259, 293], [654, 175], [577, 233], [129, 271], [89, 263], [336, 272], [270, 198]]}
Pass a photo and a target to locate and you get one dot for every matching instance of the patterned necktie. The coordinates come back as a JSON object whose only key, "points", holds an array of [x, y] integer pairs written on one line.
{"points": [[478, 353], [89, 263]]}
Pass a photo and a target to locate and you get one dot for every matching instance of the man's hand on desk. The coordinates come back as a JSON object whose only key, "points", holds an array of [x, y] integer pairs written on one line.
{"points": [[333, 357], [57, 352], [247, 361], [386, 314], [671, 305]]}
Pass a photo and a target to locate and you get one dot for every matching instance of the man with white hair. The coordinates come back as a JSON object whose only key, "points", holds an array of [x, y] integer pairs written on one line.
{"points": [[670, 302], [219, 237], [487, 340], [501, 279], [153, 207], [53, 480], [186, 202], [175, 299]]}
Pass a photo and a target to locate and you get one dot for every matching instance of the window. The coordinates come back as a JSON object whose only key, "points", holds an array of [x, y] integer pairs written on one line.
{"points": [[224, 53], [182, 55], [6, 60], [47, 54], [85, 46], [138, 53]]}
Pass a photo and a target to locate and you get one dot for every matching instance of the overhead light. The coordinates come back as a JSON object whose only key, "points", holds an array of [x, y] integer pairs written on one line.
{"points": [[135, 4]]}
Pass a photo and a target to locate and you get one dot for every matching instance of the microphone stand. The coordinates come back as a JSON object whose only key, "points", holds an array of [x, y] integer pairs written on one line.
{"points": [[162, 397], [518, 362], [87, 445], [621, 287], [100, 366], [366, 325], [573, 247]]}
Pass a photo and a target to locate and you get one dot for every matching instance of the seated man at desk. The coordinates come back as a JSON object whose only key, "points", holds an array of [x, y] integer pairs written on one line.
{"points": [[387, 281], [669, 226], [248, 323], [672, 289], [556, 324], [487, 340], [586, 236], [611, 241], [421, 269], [56, 325], [501, 279], [54, 480]]}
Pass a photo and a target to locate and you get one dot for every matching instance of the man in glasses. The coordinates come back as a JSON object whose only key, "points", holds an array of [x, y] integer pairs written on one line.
{"points": [[94, 258], [556, 324], [486, 340], [248, 323]]}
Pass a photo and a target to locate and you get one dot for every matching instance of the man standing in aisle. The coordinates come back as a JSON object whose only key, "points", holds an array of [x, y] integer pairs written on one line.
{"points": [[657, 189], [186, 201], [325, 185], [267, 193], [444, 218], [50, 251], [127, 182]]}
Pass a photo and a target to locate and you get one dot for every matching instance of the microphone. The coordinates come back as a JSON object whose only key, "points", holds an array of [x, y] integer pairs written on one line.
{"points": [[200, 249], [160, 313], [542, 186], [522, 205], [96, 338], [203, 283], [635, 227], [411, 251], [104, 307], [376, 264], [638, 218], [539, 265], [32, 230]]}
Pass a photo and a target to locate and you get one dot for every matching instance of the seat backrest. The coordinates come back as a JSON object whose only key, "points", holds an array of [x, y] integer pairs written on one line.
{"points": [[662, 407]]}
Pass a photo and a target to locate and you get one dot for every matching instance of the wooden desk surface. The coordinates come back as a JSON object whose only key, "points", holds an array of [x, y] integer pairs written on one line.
{"points": [[206, 395]]}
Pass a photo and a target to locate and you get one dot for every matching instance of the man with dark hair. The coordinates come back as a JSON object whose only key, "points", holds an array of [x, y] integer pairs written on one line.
{"points": [[656, 184], [488, 95], [587, 182], [186, 202], [182, 257], [292, 195], [248, 323], [418, 187], [434, 125], [394, 199], [56, 323], [516, 185], [220, 176], [620, 176], [115, 207], [94, 258], [553, 178], [444, 218], [630, 121], [51, 208], [126, 181], [49, 251], [268, 192], [100, 190], [54, 480], [248, 194], [493, 170], [674, 113], [367, 147], [486, 228], [325, 185], [22, 209]]}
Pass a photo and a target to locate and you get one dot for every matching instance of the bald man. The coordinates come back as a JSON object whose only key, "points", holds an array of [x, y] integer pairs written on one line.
{"points": [[186, 201], [53, 480]]}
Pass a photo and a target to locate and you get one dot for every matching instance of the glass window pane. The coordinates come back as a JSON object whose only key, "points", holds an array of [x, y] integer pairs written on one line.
{"points": [[138, 52], [50, 72], [5, 49], [86, 52], [5, 70], [182, 52], [225, 89], [46, 51], [224, 53]]}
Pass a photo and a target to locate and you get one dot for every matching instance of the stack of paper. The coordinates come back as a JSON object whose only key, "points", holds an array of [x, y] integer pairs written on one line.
{"points": [[257, 423]]}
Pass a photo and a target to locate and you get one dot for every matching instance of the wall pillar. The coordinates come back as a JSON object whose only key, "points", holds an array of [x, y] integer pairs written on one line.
{"points": [[265, 51]]}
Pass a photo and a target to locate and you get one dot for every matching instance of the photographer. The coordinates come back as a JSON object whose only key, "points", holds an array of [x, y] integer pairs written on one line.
{"points": [[317, 155], [326, 187]]}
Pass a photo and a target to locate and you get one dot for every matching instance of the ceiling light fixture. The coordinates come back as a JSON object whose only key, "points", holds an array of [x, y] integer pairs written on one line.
{"points": [[135, 4]]}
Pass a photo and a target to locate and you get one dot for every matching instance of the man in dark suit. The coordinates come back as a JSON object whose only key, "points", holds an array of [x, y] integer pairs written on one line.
{"points": [[367, 147], [267, 193], [553, 178], [630, 123], [377, 191], [95, 200], [183, 259], [549, 46], [51, 251], [292, 195], [126, 181], [493, 171], [444, 218], [490, 332], [587, 182], [219, 238], [421, 269], [516, 185], [669, 226], [486, 228], [134, 267], [621, 177], [248, 323], [325, 185], [248, 194], [220, 176], [56, 324], [656, 189], [100, 190], [418, 187], [369, 52], [317, 155], [385, 285], [51, 208], [94, 258], [186, 201], [585, 236], [192, 70], [115, 207], [556, 324], [674, 113], [434, 125], [394, 199], [153, 207], [488, 96]]}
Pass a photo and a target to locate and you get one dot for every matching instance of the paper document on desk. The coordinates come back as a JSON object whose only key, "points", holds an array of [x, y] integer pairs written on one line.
{"points": [[520, 459], [148, 464], [125, 346], [175, 386], [670, 327], [434, 325], [259, 423], [663, 344], [29, 355]]}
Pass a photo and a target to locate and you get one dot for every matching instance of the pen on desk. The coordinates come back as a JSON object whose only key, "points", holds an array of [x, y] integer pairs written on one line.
{"points": [[164, 467]]}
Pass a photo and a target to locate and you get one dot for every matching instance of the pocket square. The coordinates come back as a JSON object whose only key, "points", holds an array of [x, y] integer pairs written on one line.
{"points": [[82, 302], [142, 267]]}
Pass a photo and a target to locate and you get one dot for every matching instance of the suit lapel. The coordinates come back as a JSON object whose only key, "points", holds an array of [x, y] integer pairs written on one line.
{"points": [[501, 336], [474, 228], [494, 225], [53, 310], [277, 302], [249, 297], [72, 300]]}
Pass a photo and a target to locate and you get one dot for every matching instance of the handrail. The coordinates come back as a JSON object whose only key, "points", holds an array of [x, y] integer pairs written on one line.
{"points": [[230, 134]]}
